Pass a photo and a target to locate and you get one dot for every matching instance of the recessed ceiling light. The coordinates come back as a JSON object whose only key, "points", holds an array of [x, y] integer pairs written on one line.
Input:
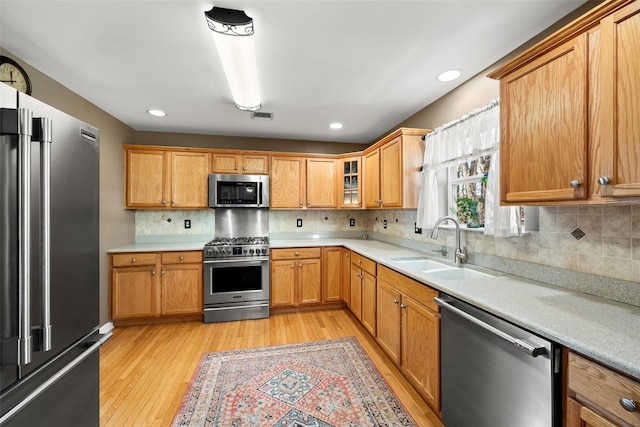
{"points": [[157, 113], [447, 76], [335, 125]]}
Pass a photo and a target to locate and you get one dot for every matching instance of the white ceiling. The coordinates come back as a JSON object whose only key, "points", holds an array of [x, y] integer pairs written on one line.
{"points": [[369, 64]]}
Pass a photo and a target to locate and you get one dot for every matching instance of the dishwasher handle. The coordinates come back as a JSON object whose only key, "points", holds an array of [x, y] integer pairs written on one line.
{"points": [[517, 343]]}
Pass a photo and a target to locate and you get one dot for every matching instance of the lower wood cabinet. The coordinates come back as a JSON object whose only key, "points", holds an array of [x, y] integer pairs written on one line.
{"points": [[332, 260], [156, 285], [597, 395], [408, 330], [296, 277], [363, 290]]}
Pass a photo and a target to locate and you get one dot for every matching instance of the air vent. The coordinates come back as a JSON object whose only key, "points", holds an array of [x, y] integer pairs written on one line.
{"points": [[261, 115]]}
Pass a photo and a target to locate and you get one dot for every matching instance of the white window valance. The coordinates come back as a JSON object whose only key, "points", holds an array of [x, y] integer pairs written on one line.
{"points": [[476, 134]]}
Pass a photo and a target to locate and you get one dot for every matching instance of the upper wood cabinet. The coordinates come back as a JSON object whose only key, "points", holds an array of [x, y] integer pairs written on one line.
{"points": [[392, 170], [619, 104], [166, 179], [298, 182], [569, 112], [350, 171], [245, 163]]}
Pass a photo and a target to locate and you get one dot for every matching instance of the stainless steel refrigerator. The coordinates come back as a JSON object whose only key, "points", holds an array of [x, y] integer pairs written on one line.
{"points": [[49, 257]]}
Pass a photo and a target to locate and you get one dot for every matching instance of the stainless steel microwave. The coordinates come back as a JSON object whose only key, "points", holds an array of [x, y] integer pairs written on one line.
{"points": [[243, 191]]}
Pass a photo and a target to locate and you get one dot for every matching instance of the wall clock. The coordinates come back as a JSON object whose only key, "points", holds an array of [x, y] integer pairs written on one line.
{"points": [[14, 75]]}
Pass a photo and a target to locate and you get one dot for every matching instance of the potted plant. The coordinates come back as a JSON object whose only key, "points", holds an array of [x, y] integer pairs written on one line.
{"points": [[466, 211]]}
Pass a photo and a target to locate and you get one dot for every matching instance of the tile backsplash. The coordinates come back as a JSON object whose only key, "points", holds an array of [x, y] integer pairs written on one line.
{"points": [[609, 246]]}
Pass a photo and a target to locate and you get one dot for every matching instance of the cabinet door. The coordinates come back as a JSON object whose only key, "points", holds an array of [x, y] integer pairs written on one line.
{"points": [[421, 349], [346, 276], [372, 179], [351, 182], [543, 119], [583, 416], [287, 182], [369, 309], [356, 291], [146, 179], [332, 274], [309, 281], [283, 282], [620, 109], [255, 163], [181, 289], [189, 173], [226, 163], [134, 292], [391, 173], [321, 184], [388, 332]]}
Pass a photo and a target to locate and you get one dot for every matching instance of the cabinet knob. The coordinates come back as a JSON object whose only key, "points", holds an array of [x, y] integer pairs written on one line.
{"points": [[244, 169], [292, 265], [296, 254], [575, 183], [173, 202], [162, 271], [301, 203], [181, 258], [347, 254], [153, 272], [629, 404], [235, 168], [133, 260], [603, 180], [359, 261], [308, 202], [403, 306], [395, 301], [300, 265], [164, 202]]}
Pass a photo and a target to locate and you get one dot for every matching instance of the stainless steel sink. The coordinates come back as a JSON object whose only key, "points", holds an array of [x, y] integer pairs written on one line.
{"points": [[454, 273]]}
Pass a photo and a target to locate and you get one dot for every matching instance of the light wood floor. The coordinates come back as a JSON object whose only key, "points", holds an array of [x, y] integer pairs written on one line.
{"points": [[145, 370]]}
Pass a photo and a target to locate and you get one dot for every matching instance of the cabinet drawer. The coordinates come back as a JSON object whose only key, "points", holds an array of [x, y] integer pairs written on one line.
{"points": [[293, 253], [416, 290], [363, 262], [603, 387], [134, 258], [181, 257]]}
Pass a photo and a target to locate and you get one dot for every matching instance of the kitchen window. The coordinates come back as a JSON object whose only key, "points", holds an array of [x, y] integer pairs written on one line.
{"points": [[467, 190]]}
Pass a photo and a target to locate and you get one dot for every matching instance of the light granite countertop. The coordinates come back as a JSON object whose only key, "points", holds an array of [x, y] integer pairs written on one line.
{"points": [[596, 327]]}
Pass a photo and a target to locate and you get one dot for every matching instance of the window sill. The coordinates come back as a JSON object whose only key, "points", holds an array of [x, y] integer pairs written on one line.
{"points": [[475, 230]]}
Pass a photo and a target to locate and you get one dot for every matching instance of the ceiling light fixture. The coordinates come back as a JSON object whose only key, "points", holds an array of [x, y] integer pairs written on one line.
{"points": [[335, 125], [447, 76], [233, 35], [157, 113]]}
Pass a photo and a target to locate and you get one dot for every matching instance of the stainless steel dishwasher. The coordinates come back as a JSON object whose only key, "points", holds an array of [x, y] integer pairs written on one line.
{"points": [[495, 374]]}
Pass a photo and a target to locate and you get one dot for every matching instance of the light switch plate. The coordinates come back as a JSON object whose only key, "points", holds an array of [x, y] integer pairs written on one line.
{"points": [[187, 223], [299, 222]]}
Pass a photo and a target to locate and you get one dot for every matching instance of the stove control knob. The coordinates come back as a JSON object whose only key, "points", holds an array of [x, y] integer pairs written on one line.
{"points": [[209, 252], [264, 251], [245, 251], [224, 252], [251, 251]]}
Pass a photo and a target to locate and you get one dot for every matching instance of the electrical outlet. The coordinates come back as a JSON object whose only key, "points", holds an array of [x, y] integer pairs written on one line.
{"points": [[417, 229], [299, 222], [384, 224], [352, 222], [187, 223]]}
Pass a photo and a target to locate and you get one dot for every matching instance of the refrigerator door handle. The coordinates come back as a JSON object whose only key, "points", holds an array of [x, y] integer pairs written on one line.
{"points": [[42, 132], [25, 127], [517, 343], [62, 372]]}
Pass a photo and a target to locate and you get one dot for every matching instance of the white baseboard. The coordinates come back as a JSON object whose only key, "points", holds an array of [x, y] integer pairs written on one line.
{"points": [[107, 327]]}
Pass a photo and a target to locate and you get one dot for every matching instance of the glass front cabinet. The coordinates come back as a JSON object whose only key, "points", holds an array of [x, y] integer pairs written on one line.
{"points": [[351, 182]]}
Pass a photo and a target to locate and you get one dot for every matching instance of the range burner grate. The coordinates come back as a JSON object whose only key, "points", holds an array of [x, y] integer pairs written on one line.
{"points": [[238, 241]]}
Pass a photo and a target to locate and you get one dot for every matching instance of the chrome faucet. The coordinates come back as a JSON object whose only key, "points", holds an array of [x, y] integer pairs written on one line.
{"points": [[460, 256]]}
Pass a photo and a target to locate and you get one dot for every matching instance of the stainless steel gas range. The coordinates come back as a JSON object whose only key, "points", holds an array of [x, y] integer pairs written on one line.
{"points": [[236, 266]]}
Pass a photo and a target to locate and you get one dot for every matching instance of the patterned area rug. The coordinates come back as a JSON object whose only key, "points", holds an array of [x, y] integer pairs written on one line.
{"points": [[321, 384]]}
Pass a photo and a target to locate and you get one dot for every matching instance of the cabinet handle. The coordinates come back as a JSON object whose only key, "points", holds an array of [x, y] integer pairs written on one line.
{"points": [[395, 301], [603, 180], [133, 260], [181, 258], [300, 265], [162, 271], [629, 404], [575, 183], [164, 202], [153, 272], [244, 169], [292, 265], [403, 306], [300, 202], [308, 202], [296, 254], [235, 168], [359, 261]]}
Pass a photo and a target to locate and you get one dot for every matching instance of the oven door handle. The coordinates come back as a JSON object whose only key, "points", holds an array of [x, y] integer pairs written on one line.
{"points": [[241, 262]]}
